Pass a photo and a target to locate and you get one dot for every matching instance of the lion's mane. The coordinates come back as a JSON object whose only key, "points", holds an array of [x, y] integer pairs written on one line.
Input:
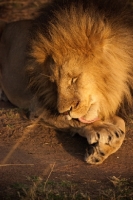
{"points": [[101, 30]]}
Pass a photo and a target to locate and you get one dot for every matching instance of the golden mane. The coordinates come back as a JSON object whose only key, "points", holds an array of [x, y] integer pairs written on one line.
{"points": [[92, 33]]}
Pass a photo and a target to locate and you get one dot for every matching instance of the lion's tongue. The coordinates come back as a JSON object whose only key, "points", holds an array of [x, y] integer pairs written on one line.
{"points": [[87, 121]]}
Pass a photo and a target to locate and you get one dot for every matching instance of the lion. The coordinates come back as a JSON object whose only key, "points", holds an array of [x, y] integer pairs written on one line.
{"points": [[72, 66]]}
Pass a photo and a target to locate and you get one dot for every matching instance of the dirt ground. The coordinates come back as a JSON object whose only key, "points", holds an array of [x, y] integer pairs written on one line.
{"points": [[27, 151]]}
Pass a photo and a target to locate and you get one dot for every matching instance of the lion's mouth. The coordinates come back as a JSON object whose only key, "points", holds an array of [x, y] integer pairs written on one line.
{"points": [[91, 116]]}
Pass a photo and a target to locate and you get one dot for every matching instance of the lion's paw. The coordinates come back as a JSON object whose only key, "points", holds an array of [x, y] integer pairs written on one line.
{"points": [[103, 140]]}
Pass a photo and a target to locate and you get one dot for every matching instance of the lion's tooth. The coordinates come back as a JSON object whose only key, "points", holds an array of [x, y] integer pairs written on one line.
{"points": [[68, 117]]}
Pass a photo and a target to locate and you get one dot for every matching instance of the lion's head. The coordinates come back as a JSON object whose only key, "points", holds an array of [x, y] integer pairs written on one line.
{"points": [[77, 90], [90, 54]]}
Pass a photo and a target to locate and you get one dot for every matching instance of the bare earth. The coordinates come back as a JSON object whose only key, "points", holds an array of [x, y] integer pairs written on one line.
{"points": [[34, 151]]}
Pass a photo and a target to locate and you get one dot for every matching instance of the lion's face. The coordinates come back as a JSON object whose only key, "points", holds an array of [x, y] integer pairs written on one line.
{"points": [[77, 90]]}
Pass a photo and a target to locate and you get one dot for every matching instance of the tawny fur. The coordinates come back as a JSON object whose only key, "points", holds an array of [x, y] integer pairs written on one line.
{"points": [[99, 34]]}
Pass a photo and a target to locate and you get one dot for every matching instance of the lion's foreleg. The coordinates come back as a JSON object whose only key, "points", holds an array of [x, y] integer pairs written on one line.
{"points": [[59, 121]]}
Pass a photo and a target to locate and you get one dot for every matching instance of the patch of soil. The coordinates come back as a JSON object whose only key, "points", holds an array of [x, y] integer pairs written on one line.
{"points": [[28, 149]]}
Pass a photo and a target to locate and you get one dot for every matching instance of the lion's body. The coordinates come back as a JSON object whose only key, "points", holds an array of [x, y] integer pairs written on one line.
{"points": [[12, 47], [79, 65]]}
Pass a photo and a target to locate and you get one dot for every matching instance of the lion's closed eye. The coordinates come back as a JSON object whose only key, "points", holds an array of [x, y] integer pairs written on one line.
{"points": [[73, 80]]}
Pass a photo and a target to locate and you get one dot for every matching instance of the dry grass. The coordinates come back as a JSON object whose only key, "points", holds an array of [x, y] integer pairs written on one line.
{"points": [[13, 10], [120, 189]]}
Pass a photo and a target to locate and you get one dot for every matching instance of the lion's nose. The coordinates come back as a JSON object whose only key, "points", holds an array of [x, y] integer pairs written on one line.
{"points": [[66, 106], [64, 109]]}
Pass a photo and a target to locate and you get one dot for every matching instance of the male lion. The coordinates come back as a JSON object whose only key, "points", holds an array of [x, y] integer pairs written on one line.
{"points": [[73, 65]]}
